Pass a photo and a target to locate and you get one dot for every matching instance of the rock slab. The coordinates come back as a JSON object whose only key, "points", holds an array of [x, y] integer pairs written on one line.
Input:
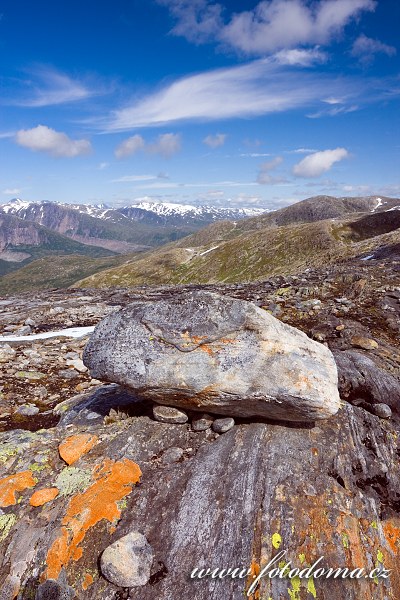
{"points": [[211, 353]]}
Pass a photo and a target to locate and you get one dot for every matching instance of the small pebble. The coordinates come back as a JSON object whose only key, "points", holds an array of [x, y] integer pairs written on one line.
{"points": [[381, 410], [27, 410], [169, 414], [223, 425], [202, 422], [172, 455]]}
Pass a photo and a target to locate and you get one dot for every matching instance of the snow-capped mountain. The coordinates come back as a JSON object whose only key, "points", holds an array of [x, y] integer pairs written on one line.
{"points": [[169, 213], [125, 229]]}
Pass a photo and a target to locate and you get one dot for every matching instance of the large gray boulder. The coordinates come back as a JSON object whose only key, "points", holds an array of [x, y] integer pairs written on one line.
{"points": [[212, 353]]}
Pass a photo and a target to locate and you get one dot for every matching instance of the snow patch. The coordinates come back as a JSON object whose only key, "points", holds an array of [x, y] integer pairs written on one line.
{"points": [[74, 332], [368, 257], [209, 250]]}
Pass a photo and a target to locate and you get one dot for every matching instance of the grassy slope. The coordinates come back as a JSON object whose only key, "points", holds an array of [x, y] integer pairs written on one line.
{"points": [[242, 256], [55, 272]]}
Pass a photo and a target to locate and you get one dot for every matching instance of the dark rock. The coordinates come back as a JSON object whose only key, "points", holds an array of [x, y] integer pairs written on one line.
{"points": [[223, 425], [54, 590], [360, 377]]}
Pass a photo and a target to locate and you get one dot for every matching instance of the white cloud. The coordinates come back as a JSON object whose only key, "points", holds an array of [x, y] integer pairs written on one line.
{"points": [[319, 162], [255, 154], [259, 87], [166, 145], [301, 57], [51, 87], [12, 191], [264, 177], [129, 146], [214, 141], [302, 151], [131, 178], [365, 48], [272, 25], [103, 165], [54, 143]]}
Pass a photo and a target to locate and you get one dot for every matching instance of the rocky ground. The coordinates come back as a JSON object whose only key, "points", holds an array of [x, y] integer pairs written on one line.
{"points": [[203, 498]]}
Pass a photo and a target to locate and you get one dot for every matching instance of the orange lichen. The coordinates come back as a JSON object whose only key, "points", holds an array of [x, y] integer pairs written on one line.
{"points": [[87, 581], [254, 572], [42, 496], [75, 446], [113, 481], [12, 484], [392, 535]]}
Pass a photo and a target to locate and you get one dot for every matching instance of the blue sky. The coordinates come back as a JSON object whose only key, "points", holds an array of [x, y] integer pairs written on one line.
{"points": [[231, 103]]}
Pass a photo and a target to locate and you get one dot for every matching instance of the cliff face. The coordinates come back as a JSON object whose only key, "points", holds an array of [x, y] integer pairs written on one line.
{"points": [[17, 232]]}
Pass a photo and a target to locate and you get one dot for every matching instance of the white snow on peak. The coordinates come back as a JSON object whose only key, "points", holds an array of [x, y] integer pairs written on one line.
{"points": [[172, 208], [15, 205], [393, 208]]}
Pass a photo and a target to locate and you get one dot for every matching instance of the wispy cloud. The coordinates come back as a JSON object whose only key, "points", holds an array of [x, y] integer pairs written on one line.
{"points": [[269, 26], [365, 49], [11, 191], [257, 88], [255, 154], [264, 175], [7, 134], [55, 143], [48, 87], [214, 141], [319, 162], [134, 178]]}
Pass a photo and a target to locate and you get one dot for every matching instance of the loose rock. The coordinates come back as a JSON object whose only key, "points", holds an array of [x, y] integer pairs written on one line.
{"points": [[128, 561], [223, 425], [27, 410], [201, 350], [172, 455], [169, 414], [202, 423], [381, 410]]}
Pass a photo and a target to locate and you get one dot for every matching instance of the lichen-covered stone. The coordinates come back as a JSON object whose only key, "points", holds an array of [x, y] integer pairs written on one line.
{"points": [[207, 352], [127, 562]]}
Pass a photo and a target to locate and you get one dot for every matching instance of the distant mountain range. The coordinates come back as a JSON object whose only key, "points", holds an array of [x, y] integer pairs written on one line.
{"points": [[27, 227], [318, 231], [198, 244]]}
